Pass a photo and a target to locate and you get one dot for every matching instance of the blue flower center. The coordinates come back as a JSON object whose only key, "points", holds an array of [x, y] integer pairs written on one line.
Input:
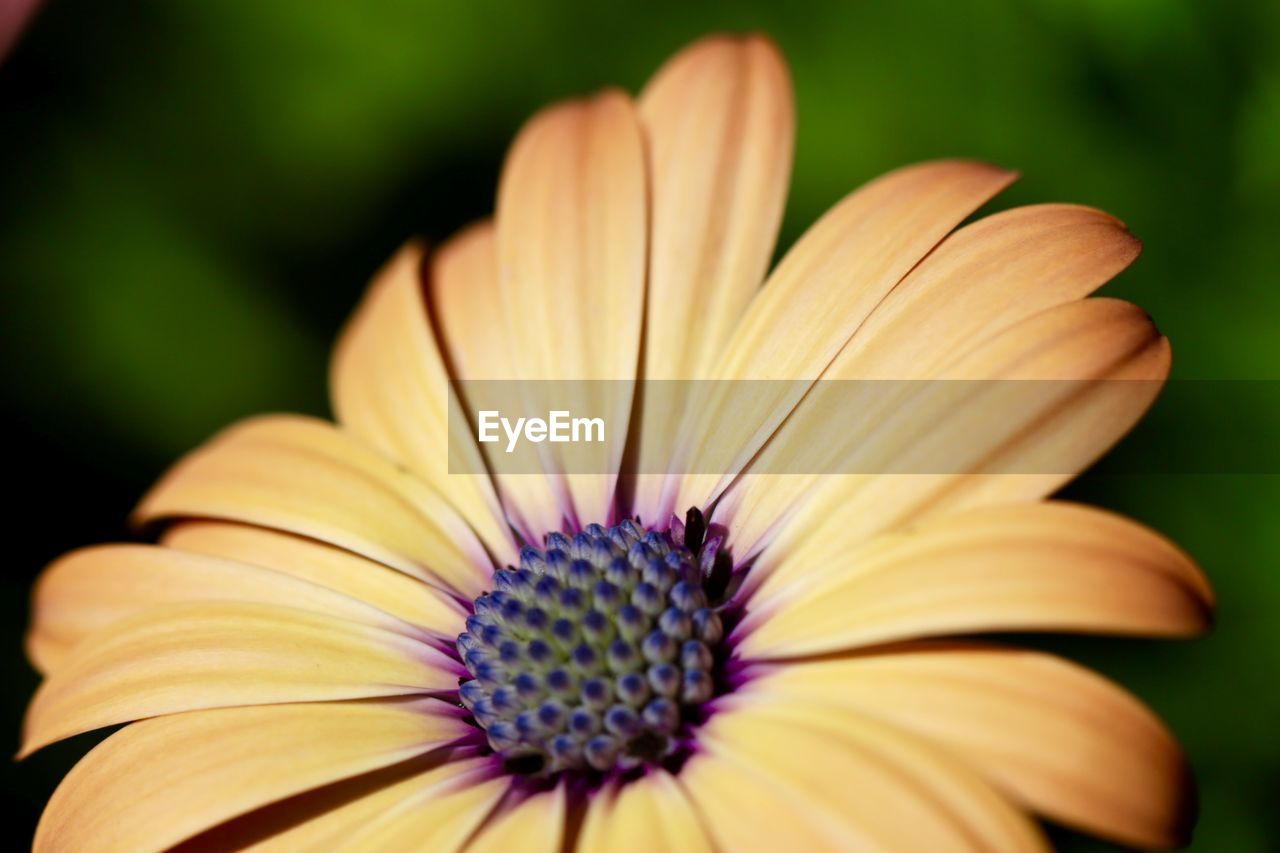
{"points": [[597, 652]]}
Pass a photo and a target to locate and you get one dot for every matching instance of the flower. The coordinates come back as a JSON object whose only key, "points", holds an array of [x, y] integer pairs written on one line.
{"points": [[339, 641]]}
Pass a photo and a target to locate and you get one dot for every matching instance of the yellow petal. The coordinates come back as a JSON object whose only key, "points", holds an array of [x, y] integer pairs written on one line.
{"points": [[337, 814], [306, 477], [572, 246], [160, 781], [649, 813], [467, 299], [94, 587], [1031, 567], [350, 574], [816, 299], [441, 814], [980, 280], [1051, 735], [535, 824], [1097, 365], [774, 774], [720, 125], [184, 657], [390, 389]]}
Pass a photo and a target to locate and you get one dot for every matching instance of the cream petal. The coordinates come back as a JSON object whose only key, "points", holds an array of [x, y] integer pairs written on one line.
{"points": [[947, 445], [440, 814], [719, 120], [390, 389], [158, 782], [649, 813], [1053, 736], [1028, 567], [468, 303], [185, 657], [92, 588], [814, 302], [982, 279], [572, 246], [979, 281], [775, 774], [306, 477], [325, 818], [535, 824], [350, 574]]}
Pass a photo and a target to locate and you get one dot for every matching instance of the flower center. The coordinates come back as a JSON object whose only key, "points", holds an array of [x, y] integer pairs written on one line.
{"points": [[597, 652]]}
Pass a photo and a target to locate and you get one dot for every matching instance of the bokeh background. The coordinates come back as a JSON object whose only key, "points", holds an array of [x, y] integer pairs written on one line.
{"points": [[194, 194]]}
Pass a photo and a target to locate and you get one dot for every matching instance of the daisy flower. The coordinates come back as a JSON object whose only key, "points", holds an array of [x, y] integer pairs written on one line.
{"points": [[339, 644]]}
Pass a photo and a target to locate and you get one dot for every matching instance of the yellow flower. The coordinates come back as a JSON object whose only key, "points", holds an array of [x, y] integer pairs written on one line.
{"points": [[338, 643]]}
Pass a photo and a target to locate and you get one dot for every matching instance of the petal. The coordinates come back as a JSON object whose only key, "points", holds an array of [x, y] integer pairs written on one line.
{"points": [[337, 814], [979, 281], [1032, 567], [350, 574], [92, 588], [185, 657], [987, 438], [776, 774], [469, 304], [535, 824], [1051, 735], [440, 811], [982, 279], [158, 782], [649, 813], [826, 286], [572, 245], [720, 125], [304, 476], [391, 391]]}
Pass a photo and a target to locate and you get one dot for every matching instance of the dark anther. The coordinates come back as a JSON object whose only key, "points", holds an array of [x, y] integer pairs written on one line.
{"points": [[647, 746], [695, 527], [524, 764], [717, 579]]}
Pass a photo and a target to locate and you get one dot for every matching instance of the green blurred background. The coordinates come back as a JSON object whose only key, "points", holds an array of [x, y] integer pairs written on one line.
{"points": [[194, 194]]}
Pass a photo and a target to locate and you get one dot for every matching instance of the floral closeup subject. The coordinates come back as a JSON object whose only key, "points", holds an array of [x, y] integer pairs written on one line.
{"points": [[338, 643]]}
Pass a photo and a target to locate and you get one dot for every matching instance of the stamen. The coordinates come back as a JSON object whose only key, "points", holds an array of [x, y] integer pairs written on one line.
{"points": [[595, 653]]}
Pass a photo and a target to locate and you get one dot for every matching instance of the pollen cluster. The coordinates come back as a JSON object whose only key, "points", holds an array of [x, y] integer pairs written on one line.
{"points": [[595, 652]]}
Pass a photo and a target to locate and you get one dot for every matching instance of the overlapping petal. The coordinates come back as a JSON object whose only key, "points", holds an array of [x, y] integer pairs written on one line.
{"points": [[720, 124], [185, 657], [93, 588], [652, 812], [306, 477], [1028, 409], [450, 788], [437, 810], [814, 302], [777, 774], [979, 281], [467, 299], [1025, 567], [390, 389], [158, 782], [572, 239], [1053, 736], [385, 588], [536, 824]]}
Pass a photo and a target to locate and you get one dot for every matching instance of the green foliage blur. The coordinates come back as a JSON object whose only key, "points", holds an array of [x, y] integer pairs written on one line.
{"points": [[194, 194]]}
